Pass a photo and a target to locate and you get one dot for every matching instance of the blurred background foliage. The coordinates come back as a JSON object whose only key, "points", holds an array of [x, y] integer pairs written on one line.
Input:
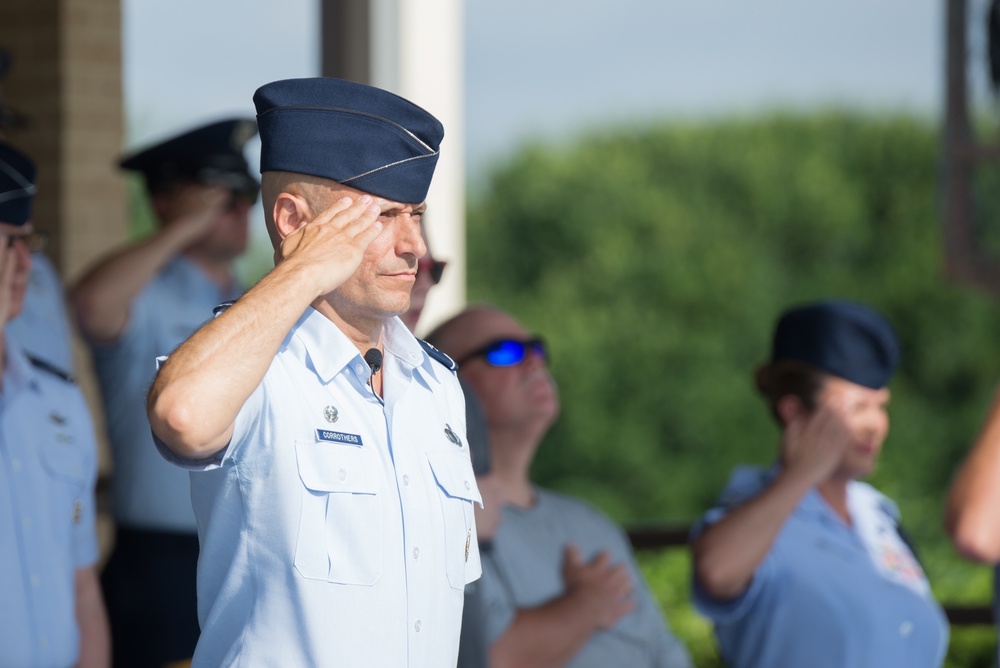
{"points": [[655, 262]]}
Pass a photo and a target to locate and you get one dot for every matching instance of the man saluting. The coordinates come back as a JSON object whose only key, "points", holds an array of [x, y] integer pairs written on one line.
{"points": [[332, 487]]}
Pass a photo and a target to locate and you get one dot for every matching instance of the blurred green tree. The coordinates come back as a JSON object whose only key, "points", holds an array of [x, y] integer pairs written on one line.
{"points": [[655, 263]]}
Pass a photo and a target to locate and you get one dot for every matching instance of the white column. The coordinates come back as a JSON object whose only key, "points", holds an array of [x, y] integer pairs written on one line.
{"points": [[418, 52]]}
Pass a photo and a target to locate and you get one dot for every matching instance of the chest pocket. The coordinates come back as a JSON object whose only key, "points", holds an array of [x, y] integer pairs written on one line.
{"points": [[457, 491], [66, 465], [340, 523]]}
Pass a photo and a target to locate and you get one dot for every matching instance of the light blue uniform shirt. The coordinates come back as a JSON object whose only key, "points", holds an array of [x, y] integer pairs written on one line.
{"points": [[148, 493], [524, 570], [820, 598], [42, 329], [335, 530], [48, 469]]}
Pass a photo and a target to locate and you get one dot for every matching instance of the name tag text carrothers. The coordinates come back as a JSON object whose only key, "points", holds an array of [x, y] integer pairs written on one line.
{"points": [[338, 437]]}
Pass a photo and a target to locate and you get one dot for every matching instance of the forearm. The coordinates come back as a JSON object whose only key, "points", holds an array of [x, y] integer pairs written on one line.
{"points": [[728, 553], [549, 635], [201, 387], [103, 297], [92, 620], [971, 515]]}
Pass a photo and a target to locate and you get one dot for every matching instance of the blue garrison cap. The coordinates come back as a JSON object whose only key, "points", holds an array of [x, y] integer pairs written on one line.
{"points": [[846, 339], [357, 135], [17, 185], [211, 154]]}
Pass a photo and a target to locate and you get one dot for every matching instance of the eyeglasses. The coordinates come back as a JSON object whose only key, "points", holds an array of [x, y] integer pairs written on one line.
{"points": [[35, 242], [508, 352], [435, 267]]}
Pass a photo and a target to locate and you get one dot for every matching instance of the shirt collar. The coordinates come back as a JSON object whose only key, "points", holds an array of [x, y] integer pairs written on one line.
{"points": [[184, 269], [398, 341], [314, 332]]}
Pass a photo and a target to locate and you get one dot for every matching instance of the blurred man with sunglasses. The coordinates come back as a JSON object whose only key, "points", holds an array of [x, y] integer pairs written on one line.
{"points": [[51, 611], [141, 301], [560, 584]]}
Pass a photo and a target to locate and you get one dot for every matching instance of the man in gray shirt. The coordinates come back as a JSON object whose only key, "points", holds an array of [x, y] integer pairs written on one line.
{"points": [[560, 585]]}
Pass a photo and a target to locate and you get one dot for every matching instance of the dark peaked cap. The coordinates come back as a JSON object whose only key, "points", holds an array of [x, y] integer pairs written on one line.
{"points": [[210, 154], [17, 185], [846, 339], [356, 135]]}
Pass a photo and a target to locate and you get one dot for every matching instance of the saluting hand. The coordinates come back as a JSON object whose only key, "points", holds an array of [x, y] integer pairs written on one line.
{"points": [[332, 244], [814, 444], [194, 208]]}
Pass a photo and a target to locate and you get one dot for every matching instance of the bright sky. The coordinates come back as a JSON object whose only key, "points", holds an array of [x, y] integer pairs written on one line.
{"points": [[545, 68]]}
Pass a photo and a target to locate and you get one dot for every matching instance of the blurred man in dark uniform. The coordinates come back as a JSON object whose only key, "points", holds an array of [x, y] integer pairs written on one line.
{"points": [[139, 302]]}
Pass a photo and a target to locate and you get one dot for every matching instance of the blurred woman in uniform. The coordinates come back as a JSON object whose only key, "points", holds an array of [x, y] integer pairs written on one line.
{"points": [[801, 564]]}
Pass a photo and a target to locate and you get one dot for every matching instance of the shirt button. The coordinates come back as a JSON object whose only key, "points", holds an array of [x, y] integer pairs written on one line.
{"points": [[416, 553], [406, 479], [26, 522], [35, 581], [416, 626], [359, 369], [342, 475], [905, 629], [467, 485], [16, 464]]}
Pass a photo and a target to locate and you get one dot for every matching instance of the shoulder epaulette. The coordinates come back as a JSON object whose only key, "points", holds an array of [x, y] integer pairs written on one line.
{"points": [[49, 367], [222, 307], [436, 354]]}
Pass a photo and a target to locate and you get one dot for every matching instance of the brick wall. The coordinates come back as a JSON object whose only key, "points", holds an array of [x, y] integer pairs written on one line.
{"points": [[66, 77]]}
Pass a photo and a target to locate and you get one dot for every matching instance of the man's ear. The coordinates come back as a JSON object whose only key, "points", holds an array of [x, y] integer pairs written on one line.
{"points": [[290, 213], [788, 408]]}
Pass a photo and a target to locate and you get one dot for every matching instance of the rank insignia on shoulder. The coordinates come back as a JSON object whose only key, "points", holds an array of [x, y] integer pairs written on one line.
{"points": [[452, 436], [221, 308], [48, 367], [436, 354]]}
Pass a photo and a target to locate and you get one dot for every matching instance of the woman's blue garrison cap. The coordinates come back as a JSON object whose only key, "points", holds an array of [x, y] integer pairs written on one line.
{"points": [[17, 185], [846, 339], [359, 136]]}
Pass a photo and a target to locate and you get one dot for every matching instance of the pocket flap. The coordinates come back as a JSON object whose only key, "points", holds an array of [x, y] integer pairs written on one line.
{"points": [[453, 472], [64, 461], [327, 467]]}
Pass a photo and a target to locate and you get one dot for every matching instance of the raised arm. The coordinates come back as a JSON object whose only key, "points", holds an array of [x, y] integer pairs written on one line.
{"points": [[598, 594], [200, 389], [972, 517], [103, 297], [729, 552]]}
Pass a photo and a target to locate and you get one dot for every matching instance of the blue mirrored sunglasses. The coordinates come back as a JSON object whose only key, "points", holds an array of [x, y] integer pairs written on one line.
{"points": [[508, 352]]}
